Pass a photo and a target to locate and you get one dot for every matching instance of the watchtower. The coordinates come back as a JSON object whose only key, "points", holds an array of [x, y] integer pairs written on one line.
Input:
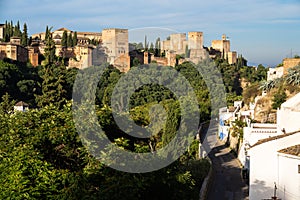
{"points": [[195, 40]]}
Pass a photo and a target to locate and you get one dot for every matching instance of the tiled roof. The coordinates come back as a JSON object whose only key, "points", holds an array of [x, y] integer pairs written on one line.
{"points": [[21, 103], [231, 109], [63, 29], [274, 138], [89, 33], [293, 150]]}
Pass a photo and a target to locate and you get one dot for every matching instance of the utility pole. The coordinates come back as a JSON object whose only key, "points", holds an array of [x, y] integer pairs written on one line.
{"points": [[274, 197], [275, 188]]}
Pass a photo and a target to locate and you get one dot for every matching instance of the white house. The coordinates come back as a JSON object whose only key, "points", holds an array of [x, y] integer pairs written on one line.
{"points": [[288, 118], [289, 173], [223, 128], [21, 106], [268, 167], [275, 73], [252, 134]]}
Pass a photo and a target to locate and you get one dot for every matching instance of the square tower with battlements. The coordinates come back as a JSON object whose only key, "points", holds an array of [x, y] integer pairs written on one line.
{"points": [[115, 43], [178, 42], [222, 45], [195, 40]]}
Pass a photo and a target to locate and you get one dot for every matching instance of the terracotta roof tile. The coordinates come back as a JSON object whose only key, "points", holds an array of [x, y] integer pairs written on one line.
{"points": [[293, 150], [231, 109], [63, 29], [89, 33], [21, 103], [274, 138]]}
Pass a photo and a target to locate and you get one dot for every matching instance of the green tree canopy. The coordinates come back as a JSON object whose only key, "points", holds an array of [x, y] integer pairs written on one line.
{"points": [[74, 39], [70, 40], [24, 38], [50, 47], [64, 39], [53, 86]]}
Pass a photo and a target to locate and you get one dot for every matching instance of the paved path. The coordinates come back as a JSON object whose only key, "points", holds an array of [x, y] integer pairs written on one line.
{"points": [[227, 183]]}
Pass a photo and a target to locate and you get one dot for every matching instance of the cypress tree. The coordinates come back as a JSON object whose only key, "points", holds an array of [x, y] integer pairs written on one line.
{"points": [[17, 31], [6, 32], [64, 39], [24, 39], [75, 39], [157, 47], [53, 91], [70, 40], [47, 35], [29, 40], [18, 25], [146, 44], [11, 29], [50, 50], [151, 48]]}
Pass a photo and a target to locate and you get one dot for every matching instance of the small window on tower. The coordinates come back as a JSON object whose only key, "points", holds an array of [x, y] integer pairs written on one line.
{"points": [[298, 169]]}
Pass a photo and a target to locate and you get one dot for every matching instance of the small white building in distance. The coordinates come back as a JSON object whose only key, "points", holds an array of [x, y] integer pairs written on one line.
{"points": [[275, 73], [21, 106]]}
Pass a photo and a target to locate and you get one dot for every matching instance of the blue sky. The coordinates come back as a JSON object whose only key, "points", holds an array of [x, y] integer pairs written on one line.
{"points": [[262, 31]]}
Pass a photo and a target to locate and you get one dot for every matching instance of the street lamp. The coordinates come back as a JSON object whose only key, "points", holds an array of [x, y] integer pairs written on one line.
{"points": [[246, 165]]}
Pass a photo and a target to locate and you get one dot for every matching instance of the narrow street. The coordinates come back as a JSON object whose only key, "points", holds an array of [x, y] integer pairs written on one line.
{"points": [[227, 182]]}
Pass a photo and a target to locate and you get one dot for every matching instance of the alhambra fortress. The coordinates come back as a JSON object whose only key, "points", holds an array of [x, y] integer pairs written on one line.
{"points": [[112, 46]]}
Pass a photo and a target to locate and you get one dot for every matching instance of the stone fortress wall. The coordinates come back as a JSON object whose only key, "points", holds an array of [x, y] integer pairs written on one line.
{"points": [[224, 47], [289, 63], [114, 49], [190, 48]]}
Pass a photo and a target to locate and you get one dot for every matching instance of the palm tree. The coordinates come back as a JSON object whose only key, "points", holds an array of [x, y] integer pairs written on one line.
{"points": [[293, 76], [267, 85]]}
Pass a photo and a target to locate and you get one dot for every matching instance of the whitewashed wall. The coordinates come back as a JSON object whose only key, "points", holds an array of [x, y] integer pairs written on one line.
{"points": [[264, 167], [288, 119], [288, 177], [253, 134]]}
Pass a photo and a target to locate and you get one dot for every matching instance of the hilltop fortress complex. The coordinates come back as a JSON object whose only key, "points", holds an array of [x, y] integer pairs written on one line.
{"points": [[190, 48], [114, 49], [112, 46]]}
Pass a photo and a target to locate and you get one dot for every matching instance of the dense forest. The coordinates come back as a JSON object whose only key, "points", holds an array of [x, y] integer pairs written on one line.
{"points": [[42, 155]]}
